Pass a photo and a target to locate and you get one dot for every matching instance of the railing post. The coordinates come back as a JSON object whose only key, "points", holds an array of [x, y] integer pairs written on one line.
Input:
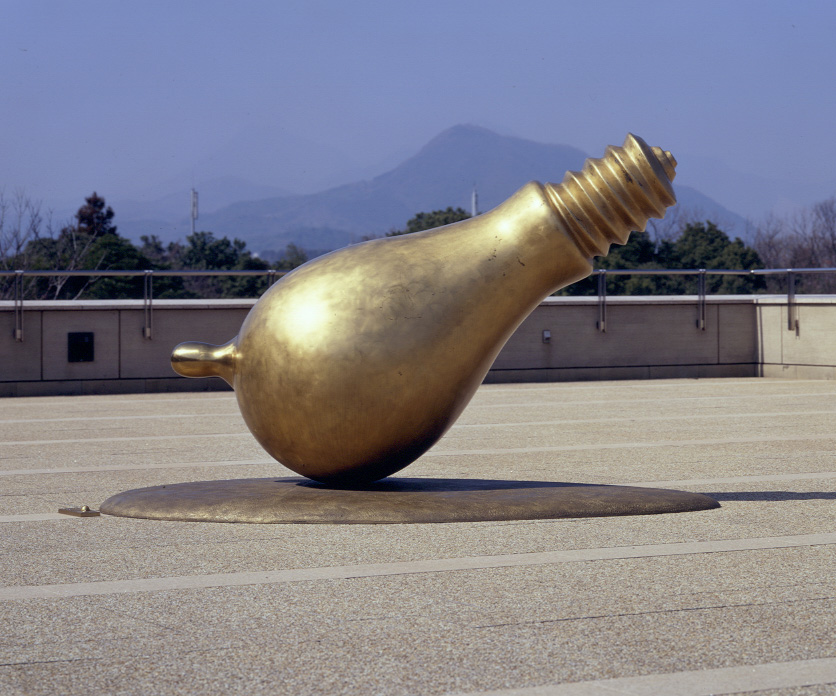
{"points": [[701, 300], [18, 283], [147, 305], [602, 300], [792, 319]]}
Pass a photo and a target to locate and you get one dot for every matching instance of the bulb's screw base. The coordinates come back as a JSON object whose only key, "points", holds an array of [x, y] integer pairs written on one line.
{"points": [[615, 195]]}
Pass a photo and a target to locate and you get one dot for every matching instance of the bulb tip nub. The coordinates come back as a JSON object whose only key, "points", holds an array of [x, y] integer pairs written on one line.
{"points": [[193, 359], [667, 160]]}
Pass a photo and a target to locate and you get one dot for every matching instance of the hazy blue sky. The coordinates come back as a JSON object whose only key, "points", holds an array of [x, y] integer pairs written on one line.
{"points": [[122, 97]]}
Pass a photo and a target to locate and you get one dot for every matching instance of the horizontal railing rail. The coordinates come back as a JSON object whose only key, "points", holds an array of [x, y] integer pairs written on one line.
{"points": [[272, 275]]}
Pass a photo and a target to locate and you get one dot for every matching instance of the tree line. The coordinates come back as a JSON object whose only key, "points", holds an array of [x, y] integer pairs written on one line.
{"points": [[92, 242], [804, 239], [681, 241]]}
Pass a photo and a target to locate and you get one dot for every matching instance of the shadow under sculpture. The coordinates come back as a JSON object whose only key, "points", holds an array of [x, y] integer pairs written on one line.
{"points": [[353, 365]]}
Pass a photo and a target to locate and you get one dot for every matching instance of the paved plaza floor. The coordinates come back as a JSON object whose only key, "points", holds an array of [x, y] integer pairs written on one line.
{"points": [[740, 599]]}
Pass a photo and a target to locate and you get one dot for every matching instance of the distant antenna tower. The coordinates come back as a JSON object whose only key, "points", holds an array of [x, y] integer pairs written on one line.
{"points": [[474, 203], [194, 208]]}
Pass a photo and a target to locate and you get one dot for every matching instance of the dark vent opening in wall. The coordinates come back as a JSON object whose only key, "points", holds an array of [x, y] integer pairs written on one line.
{"points": [[80, 346]]}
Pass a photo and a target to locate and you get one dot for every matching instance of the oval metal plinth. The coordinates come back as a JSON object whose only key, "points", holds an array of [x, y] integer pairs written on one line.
{"points": [[398, 500]]}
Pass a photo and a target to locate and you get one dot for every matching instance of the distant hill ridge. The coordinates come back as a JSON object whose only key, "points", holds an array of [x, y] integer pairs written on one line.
{"points": [[443, 173]]}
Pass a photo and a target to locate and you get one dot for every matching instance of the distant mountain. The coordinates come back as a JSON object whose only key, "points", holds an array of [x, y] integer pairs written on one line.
{"points": [[441, 174], [693, 205], [168, 216]]}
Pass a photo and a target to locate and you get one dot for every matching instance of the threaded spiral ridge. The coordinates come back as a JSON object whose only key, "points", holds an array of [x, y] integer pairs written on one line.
{"points": [[615, 195]]}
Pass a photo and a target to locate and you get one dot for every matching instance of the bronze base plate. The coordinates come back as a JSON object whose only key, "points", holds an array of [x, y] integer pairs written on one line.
{"points": [[393, 500]]}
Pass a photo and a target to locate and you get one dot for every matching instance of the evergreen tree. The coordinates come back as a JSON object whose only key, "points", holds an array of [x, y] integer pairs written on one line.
{"points": [[429, 221], [698, 245], [292, 257], [203, 251], [94, 218], [704, 245], [92, 243]]}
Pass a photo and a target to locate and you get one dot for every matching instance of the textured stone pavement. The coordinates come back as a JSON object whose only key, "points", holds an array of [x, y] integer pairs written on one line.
{"points": [[736, 600]]}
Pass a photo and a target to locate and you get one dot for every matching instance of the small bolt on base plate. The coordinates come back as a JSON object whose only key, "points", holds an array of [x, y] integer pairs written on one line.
{"points": [[83, 511]]}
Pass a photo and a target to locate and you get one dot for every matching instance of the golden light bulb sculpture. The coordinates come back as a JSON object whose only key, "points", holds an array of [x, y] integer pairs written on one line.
{"points": [[356, 363]]}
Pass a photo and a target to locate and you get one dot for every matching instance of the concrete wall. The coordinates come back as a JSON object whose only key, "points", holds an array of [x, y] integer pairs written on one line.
{"points": [[806, 352], [125, 361], [646, 338]]}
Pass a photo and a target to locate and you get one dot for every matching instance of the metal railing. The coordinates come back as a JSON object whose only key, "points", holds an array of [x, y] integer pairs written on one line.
{"points": [[273, 275], [147, 287], [701, 273]]}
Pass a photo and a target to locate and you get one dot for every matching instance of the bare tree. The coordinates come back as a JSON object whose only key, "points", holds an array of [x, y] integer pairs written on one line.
{"points": [[670, 227], [29, 242], [20, 222], [21, 225], [71, 254], [806, 239]]}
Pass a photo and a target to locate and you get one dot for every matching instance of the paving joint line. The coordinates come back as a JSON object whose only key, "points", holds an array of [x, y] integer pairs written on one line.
{"points": [[459, 452], [439, 565], [139, 467], [720, 681]]}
